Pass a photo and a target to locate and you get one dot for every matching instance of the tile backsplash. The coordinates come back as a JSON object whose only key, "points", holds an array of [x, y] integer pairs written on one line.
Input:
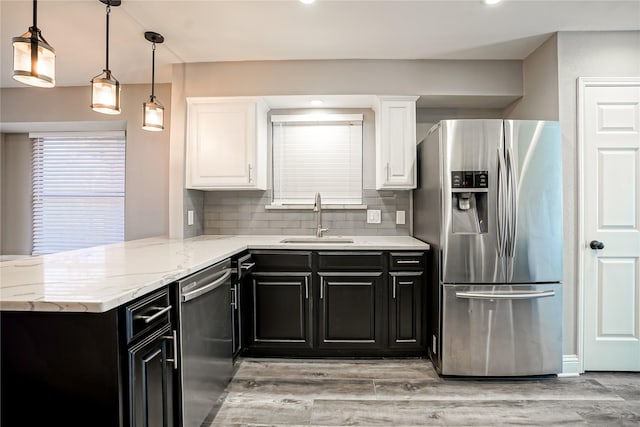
{"points": [[243, 212]]}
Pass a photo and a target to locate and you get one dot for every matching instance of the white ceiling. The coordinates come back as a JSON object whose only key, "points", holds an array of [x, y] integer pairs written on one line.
{"points": [[241, 30]]}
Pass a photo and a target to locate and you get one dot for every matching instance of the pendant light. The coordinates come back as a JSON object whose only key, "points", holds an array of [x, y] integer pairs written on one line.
{"points": [[105, 89], [34, 60], [153, 111]]}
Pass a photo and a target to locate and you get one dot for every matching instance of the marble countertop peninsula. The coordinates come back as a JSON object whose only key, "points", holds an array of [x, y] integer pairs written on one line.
{"points": [[101, 278]]}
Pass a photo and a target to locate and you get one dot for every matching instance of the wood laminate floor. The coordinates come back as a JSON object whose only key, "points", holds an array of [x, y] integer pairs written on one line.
{"points": [[408, 392]]}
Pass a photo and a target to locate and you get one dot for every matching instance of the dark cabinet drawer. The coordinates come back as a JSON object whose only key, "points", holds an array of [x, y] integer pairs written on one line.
{"points": [[401, 261], [281, 260], [350, 261], [147, 313]]}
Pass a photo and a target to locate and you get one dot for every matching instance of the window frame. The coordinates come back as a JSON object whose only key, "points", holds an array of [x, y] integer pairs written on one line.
{"points": [[320, 119], [66, 194]]}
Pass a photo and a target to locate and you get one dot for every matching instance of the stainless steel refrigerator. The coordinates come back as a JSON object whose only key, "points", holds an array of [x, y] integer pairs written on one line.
{"points": [[489, 201]]}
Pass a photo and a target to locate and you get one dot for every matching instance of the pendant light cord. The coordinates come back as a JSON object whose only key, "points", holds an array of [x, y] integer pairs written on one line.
{"points": [[35, 14], [107, 55], [153, 71], [36, 34]]}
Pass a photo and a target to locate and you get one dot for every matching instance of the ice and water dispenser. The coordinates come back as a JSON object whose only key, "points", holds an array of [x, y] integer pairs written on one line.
{"points": [[469, 191]]}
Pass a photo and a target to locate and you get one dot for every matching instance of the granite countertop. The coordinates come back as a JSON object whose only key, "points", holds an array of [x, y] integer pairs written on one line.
{"points": [[104, 277]]}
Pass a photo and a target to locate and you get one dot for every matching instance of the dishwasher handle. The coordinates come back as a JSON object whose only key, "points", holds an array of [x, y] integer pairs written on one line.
{"points": [[188, 296]]}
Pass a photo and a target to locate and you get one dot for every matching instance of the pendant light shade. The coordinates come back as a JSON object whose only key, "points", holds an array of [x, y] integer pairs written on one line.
{"points": [[105, 93], [34, 60], [153, 111], [105, 89], [153, 115]]}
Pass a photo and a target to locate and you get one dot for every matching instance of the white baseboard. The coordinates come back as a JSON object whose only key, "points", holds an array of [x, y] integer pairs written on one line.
{"points": [[571, 366]]}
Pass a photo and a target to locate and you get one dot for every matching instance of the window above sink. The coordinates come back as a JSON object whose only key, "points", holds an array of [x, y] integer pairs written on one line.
{"points": [[317, 153]]}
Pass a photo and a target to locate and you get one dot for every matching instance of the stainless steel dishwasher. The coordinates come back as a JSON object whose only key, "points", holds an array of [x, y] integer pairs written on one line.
{"points": [[205, 342]]}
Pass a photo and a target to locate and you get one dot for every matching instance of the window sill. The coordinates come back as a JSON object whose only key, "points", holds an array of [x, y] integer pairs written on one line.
{"points": [[310, 207]]}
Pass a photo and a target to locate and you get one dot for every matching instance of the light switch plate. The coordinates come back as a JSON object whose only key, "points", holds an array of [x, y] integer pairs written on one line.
{"points": [[189, 217], [400, 217], [373, 216]]}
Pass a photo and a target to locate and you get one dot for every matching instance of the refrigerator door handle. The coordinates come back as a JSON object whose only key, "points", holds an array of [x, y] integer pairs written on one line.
{"points": [[500, 205], [512, 206], [505, 295]]}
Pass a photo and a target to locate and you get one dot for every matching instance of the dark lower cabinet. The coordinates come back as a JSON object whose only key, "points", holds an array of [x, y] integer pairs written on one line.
{"points": [[152, 380], [406, 310], [350, 308], [281, 310], [151, 356], [338, 303], [111, 369]]}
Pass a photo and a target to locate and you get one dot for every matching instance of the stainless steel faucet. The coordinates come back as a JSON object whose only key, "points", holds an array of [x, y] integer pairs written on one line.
{"points": [[317, 207]]}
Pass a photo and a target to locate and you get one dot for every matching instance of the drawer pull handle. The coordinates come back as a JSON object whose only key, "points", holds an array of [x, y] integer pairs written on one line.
{"points": [[173, 338], [394, 287], [149, 319], [408, 261], [247, 265]]}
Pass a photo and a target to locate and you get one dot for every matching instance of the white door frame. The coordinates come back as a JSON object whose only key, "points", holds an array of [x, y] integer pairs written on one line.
{"points": [[581, 244]]}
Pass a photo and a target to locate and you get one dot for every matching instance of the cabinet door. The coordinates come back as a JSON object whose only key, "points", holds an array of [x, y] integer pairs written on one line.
{"points": [[396, 150], [151, 380], [405, 310], [281, 310], [226, 144], [350, 310]]}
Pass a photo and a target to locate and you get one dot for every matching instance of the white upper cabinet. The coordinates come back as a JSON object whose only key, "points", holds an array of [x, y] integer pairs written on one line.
{"points": [[226, 146], [396, 142]]}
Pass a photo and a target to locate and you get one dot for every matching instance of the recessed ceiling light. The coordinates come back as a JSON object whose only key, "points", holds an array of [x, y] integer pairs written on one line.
{"points": [[307, 1], [492, 1], [315, 102]]}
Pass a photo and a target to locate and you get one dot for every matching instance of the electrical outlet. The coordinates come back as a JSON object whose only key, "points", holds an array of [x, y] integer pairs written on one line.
{"points": [[373, 216], [189, 217], [400, 217]]}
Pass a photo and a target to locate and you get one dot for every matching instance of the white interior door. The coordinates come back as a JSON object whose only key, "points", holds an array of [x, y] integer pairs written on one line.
{"points": [[609, 125]]}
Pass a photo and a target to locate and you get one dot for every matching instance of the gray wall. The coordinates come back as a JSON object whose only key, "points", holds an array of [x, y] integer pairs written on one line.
{"points": [[16, 195], [540, 72], [1, 184], [436, 80], [583, 54], [67, 108]]}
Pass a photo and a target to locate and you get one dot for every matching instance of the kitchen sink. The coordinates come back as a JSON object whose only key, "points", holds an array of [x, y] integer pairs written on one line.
{"points": [[328, 239]]}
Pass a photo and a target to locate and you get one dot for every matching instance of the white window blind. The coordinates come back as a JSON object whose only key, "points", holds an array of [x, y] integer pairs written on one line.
{"points": [[78, 190], [317, 154]]}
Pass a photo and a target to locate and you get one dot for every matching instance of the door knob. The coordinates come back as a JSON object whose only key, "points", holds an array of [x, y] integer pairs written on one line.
{"points": [[596, 244]]}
